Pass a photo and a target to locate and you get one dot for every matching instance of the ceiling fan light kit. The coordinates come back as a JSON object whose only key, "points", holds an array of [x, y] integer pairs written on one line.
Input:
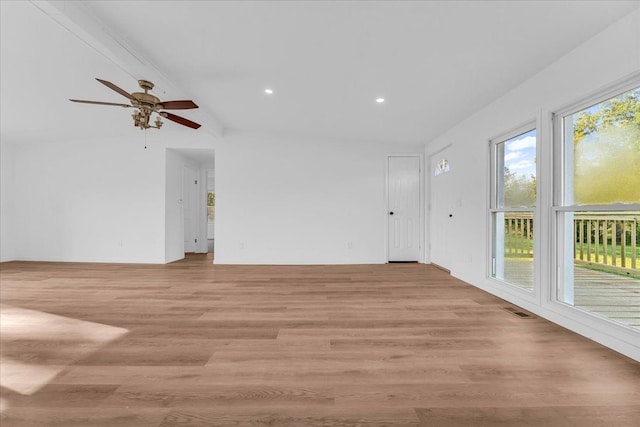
{"points": [[146, 104]]}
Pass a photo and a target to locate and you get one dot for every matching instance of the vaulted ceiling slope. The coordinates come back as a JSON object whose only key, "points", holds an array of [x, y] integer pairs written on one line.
{"points": [[434, 62]]}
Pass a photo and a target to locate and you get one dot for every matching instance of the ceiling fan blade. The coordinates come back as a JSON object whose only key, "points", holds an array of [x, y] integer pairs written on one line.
{"points": [[100, 103], [117, 89], [180, 120], [177, 105]]}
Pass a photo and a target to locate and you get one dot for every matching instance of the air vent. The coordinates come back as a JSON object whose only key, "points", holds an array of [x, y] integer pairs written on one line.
{"points": [[517, 312]]}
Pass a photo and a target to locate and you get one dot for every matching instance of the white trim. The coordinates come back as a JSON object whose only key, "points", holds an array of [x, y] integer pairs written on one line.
{"points": [[489, 262], [528, 126], [619, 87], [543, 244], [386, 209], [615, 335], [493, 143], [515, 290], [521, 129], [623, 207], [95, 260], [524, 209]]}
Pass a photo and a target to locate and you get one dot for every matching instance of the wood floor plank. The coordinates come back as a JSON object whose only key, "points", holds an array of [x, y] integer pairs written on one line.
{"points": [[83, 417], [492, 417], [570, 416], [204, 396], [63, 396], [196, 344], [292, 418]]}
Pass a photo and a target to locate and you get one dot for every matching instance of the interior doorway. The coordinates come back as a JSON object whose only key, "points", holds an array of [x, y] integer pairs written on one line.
{"points": [[189, 208], [211, 210], [186, 201]]}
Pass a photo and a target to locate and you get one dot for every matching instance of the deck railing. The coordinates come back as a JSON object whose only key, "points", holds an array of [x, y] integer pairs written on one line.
{"points": [[600, 238], [518, 234], [607, 239]]}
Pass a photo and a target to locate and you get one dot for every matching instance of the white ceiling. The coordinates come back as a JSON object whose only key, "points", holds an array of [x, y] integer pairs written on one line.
{"points": [[435, 62]]}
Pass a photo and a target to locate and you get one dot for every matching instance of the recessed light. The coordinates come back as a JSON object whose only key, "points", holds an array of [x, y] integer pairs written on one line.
{"points": [[379, 100], [268, 91]]}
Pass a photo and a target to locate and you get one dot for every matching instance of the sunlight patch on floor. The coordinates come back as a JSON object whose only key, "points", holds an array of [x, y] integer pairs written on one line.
{"points": [[28, 361], [20, 323], [26, 378]]}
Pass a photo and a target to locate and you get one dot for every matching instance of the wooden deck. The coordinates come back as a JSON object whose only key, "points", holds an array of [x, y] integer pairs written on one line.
{"points": [[611, 295]]}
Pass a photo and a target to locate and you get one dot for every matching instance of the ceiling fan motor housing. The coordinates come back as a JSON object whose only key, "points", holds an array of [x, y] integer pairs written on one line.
{"points": [[146, 99]]}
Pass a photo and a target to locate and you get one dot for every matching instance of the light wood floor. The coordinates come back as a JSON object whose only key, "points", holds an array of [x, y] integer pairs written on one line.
{"points": [[192, 344]]}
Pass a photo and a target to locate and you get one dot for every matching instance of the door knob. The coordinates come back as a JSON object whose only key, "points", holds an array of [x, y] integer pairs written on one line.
{"points": [[390, 213]]}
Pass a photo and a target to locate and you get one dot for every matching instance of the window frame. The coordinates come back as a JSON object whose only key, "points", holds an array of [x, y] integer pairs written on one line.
{"points": [[559, 208], [558, 148], [530, 125]]}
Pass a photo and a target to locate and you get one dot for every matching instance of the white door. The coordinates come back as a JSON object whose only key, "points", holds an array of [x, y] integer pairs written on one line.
{"points": [[404, 208], [441, 209], [189, 206]]}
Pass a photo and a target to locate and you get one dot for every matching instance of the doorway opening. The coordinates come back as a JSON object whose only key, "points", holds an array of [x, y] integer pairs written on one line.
{"points": [[211, 210], [190, 208], [188, 173]]}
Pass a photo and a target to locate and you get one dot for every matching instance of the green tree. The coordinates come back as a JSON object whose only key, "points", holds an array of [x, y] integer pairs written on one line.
{"points": [[608, 170], [518, 189], [607, 151], [621, 111]]}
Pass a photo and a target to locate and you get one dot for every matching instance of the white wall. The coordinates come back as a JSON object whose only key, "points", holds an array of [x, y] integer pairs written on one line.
{"points": [[7, 203], [286, 200], [100, 200], [599, 62]]}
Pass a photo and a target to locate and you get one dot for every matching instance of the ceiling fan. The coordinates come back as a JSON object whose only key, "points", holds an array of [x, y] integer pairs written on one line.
{"points": [[146, 104]]}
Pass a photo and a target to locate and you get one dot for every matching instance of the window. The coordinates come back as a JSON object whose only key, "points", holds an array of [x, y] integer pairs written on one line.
{"points": [[597, 206], [442, 167], [513, 202]]}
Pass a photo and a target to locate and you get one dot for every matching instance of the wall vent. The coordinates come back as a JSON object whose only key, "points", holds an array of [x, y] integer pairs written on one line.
{"points": [[518, 312]]}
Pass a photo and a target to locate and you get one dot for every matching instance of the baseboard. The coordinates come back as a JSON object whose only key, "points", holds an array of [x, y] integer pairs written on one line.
{"points": [[616, 337], [94, 260], [439, 267]]}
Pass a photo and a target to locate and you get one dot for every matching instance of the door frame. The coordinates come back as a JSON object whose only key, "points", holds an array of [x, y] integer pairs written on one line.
{"points": [[429, 180], [195, 203], [421, 219]]}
